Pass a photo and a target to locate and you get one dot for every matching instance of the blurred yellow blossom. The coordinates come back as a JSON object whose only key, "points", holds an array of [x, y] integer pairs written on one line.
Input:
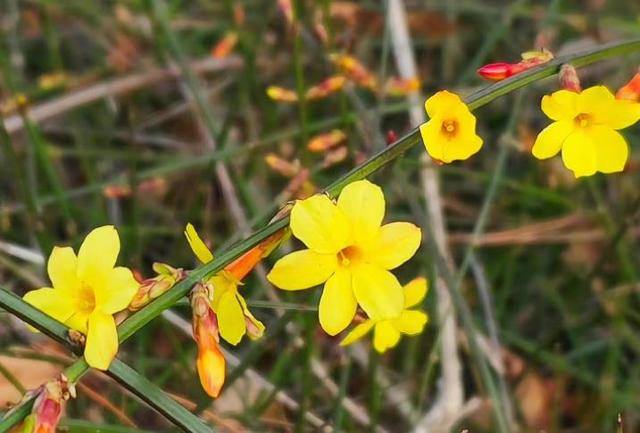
{"points": [[87, 291], [585, 129], [386, 333], [350, 252], [450, 133]]}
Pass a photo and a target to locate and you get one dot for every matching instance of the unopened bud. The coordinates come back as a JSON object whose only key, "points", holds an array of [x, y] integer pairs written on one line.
{"points": [[569, 78], [48, 406], [327, 140], [151, 288], [631, 90], [281, 94], [210, 362], [326, 87]]}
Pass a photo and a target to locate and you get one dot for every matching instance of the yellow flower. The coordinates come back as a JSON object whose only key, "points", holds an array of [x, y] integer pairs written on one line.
{"points": [[87, 291], [584, 128], [450, 133], [234, 317], [350, 252], [386, 333]]}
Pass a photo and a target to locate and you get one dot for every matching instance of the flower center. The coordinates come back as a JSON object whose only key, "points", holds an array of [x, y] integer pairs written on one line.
{"points": [[449, 127], [582, 120], [349, 255], [86, 299]]}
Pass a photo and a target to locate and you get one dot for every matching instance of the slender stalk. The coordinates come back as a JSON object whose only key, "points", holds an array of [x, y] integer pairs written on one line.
{"points": [[476, 100]]}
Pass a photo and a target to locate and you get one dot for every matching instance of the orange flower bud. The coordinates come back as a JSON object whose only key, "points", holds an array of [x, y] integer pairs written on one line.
{"points": [[282, 166], [631, 90], [151, 288], [325, 141], [335, 156], [48, 405], [396, 86], [355, 70], [281, 94], [500, 71], [326, 87], [210, 361], [223, 48], [569, 78], [241, 266]]}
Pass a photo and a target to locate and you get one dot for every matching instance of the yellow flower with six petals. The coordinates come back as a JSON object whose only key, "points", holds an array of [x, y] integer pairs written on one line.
{"points": [[386, 333], [585, 129], [87, 291], [234, 318], [450, 133], [350, 252]]}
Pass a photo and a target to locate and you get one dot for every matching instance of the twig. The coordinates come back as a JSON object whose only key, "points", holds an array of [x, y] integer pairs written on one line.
{"points": [[114, 87]]}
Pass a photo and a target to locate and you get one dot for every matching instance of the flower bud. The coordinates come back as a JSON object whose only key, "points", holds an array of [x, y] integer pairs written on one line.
{"points": [[210, 362], [326, 87], [569, 78], [151, 288], [631, 90], [48, 406]]}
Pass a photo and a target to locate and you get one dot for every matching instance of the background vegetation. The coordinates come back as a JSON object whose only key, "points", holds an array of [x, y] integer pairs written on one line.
{"points": [[132, 121]]}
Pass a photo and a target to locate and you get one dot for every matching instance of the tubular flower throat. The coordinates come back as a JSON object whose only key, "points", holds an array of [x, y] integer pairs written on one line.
{"points": [[585, 130], [450, 133], [350, 252], [233, 315], [87, 291], [386, 333]]}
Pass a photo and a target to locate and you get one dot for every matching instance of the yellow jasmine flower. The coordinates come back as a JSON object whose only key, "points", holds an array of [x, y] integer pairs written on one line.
{"points": [[386, 333], [450, 133], [584, 128], [234, 317], [350, 252], [87, 291]]}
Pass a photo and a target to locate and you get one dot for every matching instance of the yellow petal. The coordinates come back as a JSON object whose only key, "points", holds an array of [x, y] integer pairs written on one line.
{"points": [[98, 255], [51, 302], [102, 340], [337, 304], [411, 322], [463, 147], [432, 138], [258, 326], [222, 283], [320, 224], [211, 369], [357, 333], [197, 244], [230, 318], [440, 102], [385, 336], [595, 99], [62, 268], [622, 114], [415, 291], [363, 204], [396, 243], [117, 292], [549, 142], [302, 269], [378, 291], [611, 149], [579, 154], [78, 321], [560, 105]]}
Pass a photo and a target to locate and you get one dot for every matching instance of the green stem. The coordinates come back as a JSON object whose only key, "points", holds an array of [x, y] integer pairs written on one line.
{"points": [[476, 100]]}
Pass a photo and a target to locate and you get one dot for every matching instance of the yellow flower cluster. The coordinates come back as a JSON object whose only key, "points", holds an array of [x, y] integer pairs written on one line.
{"points": [[585, 128], [352, 253]]}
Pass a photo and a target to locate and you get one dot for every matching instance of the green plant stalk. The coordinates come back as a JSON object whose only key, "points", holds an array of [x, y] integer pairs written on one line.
{"points": [[119, 371], [393, 151]]}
